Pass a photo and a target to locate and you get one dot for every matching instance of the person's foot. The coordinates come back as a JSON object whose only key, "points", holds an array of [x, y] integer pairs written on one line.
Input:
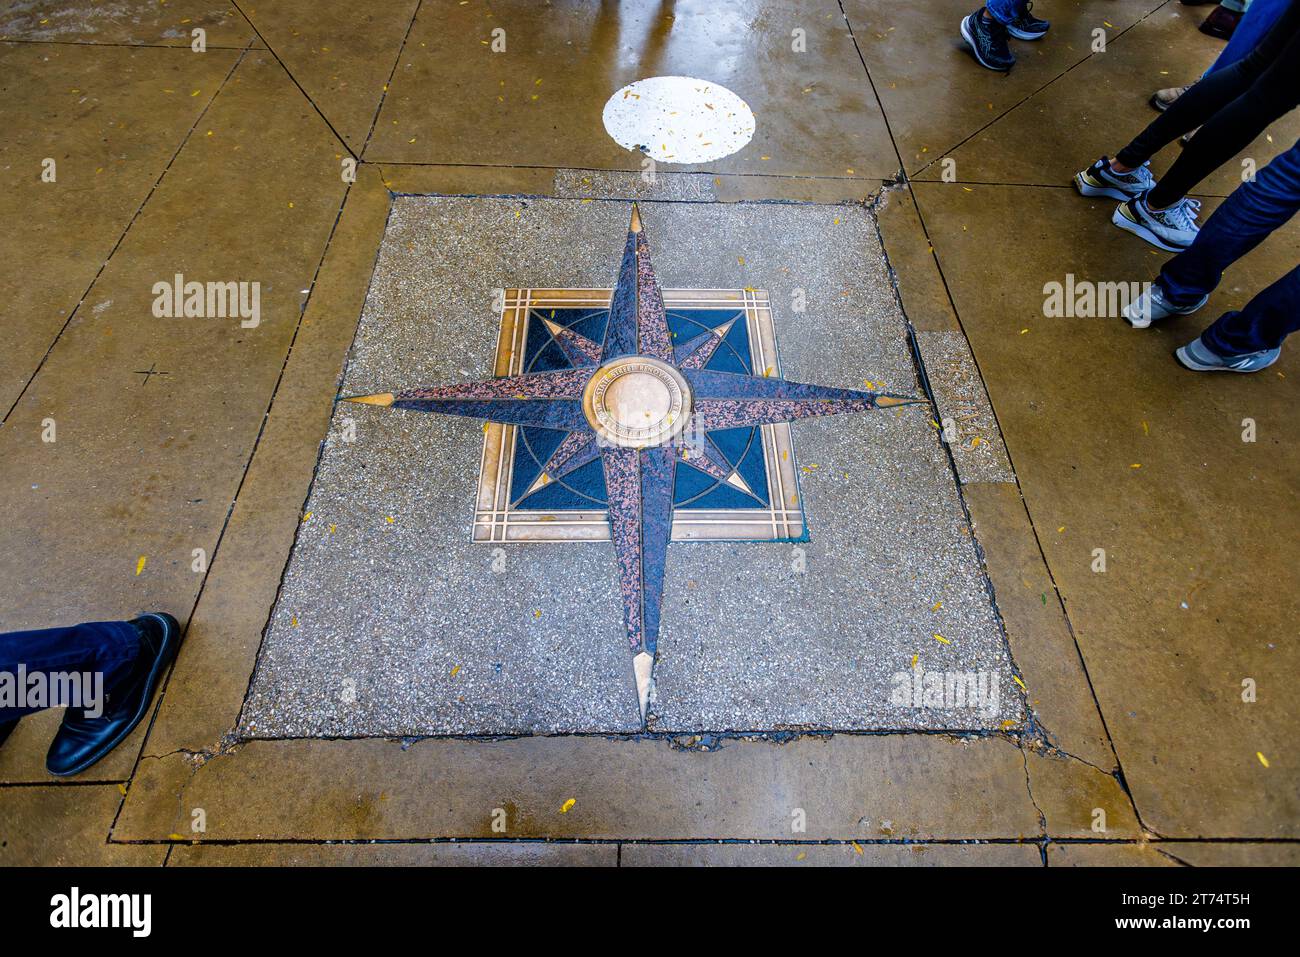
{"points": [[1220, 23], [1026, 26], [1161, 100], [987, 39], [82, 740], [1199, 357], [1100, 179], [1153, 305], [7, 728], [1173, 228]]}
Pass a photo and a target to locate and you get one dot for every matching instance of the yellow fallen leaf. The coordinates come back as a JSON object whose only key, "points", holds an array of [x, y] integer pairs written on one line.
{"points": [[939, 637], [306, 515], [915, 659], [1016, 679], [857, 848], [454, 671], [936, 606], [388, 519], [568, 805], [139, 565], [1262, 760], [801, 855]]}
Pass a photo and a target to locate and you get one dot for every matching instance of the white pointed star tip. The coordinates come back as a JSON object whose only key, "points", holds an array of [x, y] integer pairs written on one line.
{"points": [[554, 328], [635, 226], [379, 398], [735, 479], [540, 482], [643, 664], [721, 331]]}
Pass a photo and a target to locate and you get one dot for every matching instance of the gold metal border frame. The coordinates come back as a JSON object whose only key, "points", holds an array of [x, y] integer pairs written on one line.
{"points": [[496, 521]]}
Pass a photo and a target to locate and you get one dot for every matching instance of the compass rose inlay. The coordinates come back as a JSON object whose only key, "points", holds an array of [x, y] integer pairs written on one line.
{"points": [[641, 405]]}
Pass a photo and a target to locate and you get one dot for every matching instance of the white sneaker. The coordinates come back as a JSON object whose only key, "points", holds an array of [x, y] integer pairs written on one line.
{"points": [[1172, 229], [1100, 179], [1153, 305]]}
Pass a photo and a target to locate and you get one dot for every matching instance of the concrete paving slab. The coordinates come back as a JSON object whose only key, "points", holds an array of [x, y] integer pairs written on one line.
{"points": [[557, 71], [1234, 854], [110, 120], [911, 259], [848, 787], [341, 54], [207, 688], [141, 475], [934, 92], [1108, 855], [830, 855], [1129, 453], [124, 22], [66, 827], [388, 601], [607, 184], [1041, 641], [1079, 800], [477, 854], [1099, 106]]}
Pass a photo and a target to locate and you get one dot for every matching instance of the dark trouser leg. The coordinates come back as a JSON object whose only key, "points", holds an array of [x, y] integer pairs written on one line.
{"points": [[103, 648], [1234, 105], [1267, 320], [1242, 222]]}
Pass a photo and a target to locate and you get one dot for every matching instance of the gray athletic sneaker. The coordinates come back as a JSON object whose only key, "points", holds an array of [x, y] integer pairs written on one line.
{"points": [[1197, 356], [1100, 180], [1163, 99], [1152, 305], [1173, 228]]}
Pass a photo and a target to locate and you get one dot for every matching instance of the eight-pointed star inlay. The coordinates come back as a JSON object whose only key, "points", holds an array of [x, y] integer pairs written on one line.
{"points": [[641, 405]]}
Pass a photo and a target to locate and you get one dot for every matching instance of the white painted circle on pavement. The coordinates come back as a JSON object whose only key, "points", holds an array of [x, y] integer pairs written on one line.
{"points": [[679, 119]]}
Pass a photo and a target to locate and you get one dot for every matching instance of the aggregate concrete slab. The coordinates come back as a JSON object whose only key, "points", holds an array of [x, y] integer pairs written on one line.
{"points": [[391, 622]]}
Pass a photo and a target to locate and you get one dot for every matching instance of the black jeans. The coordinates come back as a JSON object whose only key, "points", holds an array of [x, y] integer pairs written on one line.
{"points": [[1232, 106]]}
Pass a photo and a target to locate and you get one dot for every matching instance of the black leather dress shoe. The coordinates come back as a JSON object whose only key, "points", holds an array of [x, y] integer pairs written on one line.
{"points": [[81, 740], [6, 728]]}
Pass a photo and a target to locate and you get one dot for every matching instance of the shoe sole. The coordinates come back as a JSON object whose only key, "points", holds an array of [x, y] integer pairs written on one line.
{"points": [[1158, 104], [970, 42], [1022, 35], [1186, 361], [1139, 321], [1088, 189], [1142, 232], [171, 637]]}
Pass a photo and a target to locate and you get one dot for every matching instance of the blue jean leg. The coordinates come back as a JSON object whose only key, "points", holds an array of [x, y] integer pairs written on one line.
{"points": [[1258, 20], [1267, 320], [1242, 222], [1004, 11], [106, 647]]}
